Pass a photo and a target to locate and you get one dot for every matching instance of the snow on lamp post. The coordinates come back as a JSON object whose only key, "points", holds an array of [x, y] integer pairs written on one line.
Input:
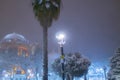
{"points": [[61, 42]]}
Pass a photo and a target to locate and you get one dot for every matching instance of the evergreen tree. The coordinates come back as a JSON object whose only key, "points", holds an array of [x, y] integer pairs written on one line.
{"points": [[114, 72]]}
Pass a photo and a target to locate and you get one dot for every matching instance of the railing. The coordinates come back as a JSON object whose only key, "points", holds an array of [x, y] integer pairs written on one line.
{"points": [[19, 77]]}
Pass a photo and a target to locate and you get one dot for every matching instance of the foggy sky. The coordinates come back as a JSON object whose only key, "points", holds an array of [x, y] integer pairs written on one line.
{"points": [[92, 27]]}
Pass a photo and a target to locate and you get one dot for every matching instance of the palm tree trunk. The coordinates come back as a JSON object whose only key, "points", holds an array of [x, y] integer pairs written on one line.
{"points": [[45, 53]]}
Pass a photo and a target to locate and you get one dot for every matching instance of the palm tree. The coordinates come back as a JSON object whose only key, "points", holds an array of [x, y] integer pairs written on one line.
{"points": [[46, 11]]}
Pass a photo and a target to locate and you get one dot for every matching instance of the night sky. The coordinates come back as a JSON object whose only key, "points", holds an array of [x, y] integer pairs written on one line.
{"points": [[92, 27]]}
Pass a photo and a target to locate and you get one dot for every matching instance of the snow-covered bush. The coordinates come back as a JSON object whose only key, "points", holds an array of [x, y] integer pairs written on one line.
{"points": [[75, 65]]}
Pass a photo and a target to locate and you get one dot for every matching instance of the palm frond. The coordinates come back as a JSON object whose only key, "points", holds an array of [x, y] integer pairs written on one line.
{"points": [[46, 11]]}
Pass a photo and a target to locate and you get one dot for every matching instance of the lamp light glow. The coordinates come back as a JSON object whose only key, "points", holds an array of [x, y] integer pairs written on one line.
{"points": [[61, 39]]}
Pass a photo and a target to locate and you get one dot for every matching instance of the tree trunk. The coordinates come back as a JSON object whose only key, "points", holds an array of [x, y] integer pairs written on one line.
{"points": [[71, 77], [85, 77], [45, 53], [67, 76]]}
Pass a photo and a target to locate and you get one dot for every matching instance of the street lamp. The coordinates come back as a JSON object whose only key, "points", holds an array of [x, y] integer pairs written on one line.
{"points": [[61, 42]]}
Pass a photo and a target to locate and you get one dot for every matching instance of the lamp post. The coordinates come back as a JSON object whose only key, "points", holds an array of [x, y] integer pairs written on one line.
{"points": [[61, 42]]}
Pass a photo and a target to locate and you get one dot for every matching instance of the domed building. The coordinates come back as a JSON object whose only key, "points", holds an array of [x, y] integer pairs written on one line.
{"points": [[18, 54]]}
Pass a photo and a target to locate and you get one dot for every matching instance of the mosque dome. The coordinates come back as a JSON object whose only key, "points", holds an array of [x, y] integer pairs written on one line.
{"points": [[14, 41], [14, 37]]}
